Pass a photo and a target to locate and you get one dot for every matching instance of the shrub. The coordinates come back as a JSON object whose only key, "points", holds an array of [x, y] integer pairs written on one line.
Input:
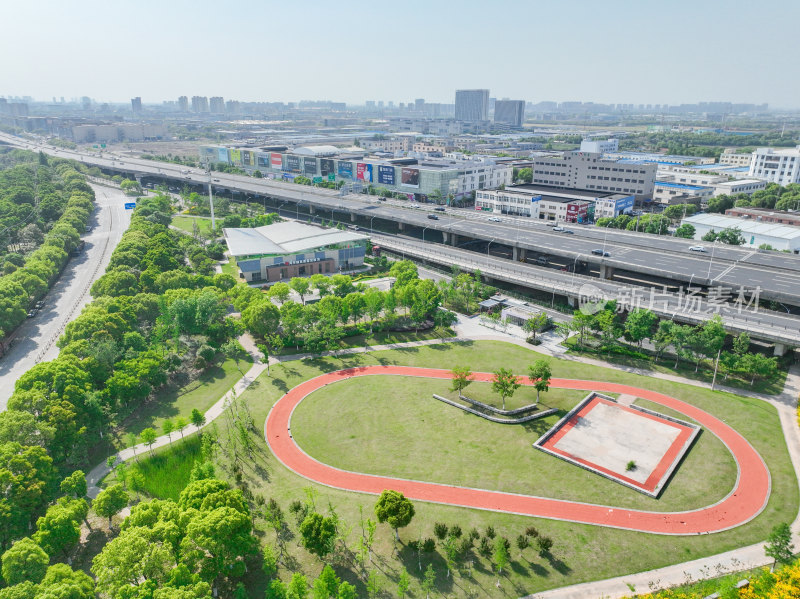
{"points": [[531, 532], [455, 531], [631, 466], [474, 534], [544, 544], [522, 542], [440, 530], [485, 547], [490, 532], [429, 545]]}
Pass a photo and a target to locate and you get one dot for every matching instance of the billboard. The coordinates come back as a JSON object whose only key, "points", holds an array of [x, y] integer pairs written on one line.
{"points": [[325, 166], [309, 166], [247, 157], [276, 160], [293, 163], [222, 155], [410, 177], [345, 169], [386, 174], [623, 205], [236, 156], [363, 172], [262, 159]]}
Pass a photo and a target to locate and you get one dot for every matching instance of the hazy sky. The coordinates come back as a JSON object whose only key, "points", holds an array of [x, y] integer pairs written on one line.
{"points": [[635, 51]]}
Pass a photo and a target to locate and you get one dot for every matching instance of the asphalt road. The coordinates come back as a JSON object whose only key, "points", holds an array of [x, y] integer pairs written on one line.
{"points": [[36, 336], [776, 274]]}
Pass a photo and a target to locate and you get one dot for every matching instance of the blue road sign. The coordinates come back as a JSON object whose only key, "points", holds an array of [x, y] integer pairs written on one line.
{"points": [[130, 205]]}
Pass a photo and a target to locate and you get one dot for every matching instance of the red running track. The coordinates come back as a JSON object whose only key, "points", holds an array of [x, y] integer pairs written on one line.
{"points": [[744, 503]]}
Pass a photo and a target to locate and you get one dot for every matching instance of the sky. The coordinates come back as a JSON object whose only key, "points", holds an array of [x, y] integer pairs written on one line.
{"points": [[614, 51]]}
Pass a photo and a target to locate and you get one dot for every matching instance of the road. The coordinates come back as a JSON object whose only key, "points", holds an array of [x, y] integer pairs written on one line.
{"points": [[36, 337], [776, 274]]}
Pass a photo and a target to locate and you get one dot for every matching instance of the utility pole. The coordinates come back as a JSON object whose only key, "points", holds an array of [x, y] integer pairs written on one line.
{"points": [[716, 367], [211, 198]]}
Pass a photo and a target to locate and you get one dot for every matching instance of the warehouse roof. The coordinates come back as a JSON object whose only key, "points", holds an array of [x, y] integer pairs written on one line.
{"points": [[316, 150], [752, 227], [284, 238]]}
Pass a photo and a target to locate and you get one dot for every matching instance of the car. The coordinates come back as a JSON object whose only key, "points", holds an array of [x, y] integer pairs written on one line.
{"points": [[439, 209], [599, 252], [433, 217], [494, 219], [558, 229], [550, 224], [32, 313], [567, 231], [697, 248], [39, 305], [216, 180], [381, 199]]}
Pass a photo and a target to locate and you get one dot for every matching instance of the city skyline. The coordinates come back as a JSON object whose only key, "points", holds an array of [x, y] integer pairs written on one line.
{"points": [[630, 53]]}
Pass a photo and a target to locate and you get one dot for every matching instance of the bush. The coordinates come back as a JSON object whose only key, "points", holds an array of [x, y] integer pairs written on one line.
{"points": [[531, 532], [490, 532], [429, 545], [440, 530], [544, 544], [485, 547], [474, 534], [522, 542], [455, 531]]}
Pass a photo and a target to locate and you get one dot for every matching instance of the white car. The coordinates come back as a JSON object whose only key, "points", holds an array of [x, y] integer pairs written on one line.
{"points": [[494, 219], [697, 248]]}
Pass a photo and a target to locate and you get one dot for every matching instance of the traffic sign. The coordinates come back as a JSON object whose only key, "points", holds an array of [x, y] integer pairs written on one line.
{"points": [[130, 205], [331, 177], [316, 180]]}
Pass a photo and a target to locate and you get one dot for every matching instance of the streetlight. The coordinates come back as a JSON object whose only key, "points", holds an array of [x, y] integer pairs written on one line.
{"points": [[423, 234], [488, 247], [574, 262], [711, 261], [297, 212], [371, 230], [605, 237]]}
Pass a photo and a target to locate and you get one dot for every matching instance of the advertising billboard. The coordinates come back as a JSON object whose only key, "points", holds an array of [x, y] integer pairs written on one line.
{"points": [[386, 174], [309, 166], [345, 169], [222, 155], [276, 160], [293, 163], [246, 157], [623, 205], [363, 172], [262, 159], [410, 177], [236, 156], [325, 166]]}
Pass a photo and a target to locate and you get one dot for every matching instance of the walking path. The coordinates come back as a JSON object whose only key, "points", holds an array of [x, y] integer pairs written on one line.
{"points": [[467, 329], [745, 502]]}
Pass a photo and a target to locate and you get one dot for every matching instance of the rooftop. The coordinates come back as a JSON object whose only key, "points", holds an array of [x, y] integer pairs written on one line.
{"points": [[680, 186], [284, 238], [747, 226], [564, 192]]}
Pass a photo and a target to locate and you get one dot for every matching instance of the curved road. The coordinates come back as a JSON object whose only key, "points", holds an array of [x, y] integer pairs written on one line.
{"points": [[36, 337], [745, 502]]}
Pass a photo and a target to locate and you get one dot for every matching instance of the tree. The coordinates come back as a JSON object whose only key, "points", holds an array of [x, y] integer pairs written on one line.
{"points": [[500, 556], [462, 377], [403, 583], [110, 501], [168, 427], [298, 587], [218, 541], [535, 324], [318, 534], [505, 383], [327, 584], [197, 418], [62, 582], [280, 292], [346, 591], [429, 581], [181, 422], [639, 325], [25, 560], [539, 374], [779, 545], [57, 530], [393, 508], [148, 437], [301, 286], [74, 485], [322, 284], [685, 231]]}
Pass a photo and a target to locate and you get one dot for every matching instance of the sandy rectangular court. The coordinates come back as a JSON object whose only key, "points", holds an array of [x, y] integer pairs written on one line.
{"points": [[603, 436]]}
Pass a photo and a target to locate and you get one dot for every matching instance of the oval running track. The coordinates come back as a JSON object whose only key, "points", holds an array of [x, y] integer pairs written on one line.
{"points": [[744, 503]]}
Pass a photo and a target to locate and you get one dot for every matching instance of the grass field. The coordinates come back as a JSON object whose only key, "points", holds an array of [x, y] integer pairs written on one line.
{"points": [[377, 338], [185, 223], [370, 421], [230, 268], [167, 471], [580, 553]]}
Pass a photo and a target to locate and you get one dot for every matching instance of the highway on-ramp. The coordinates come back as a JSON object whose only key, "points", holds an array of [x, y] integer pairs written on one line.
{"points": [[744, 503], [35, 339]]}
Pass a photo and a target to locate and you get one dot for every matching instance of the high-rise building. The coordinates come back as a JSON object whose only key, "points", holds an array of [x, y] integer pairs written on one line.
{"points": [[217, 105], [199, 104], [183, 104], [136, 105], [511, 112], [781, 166], [472, 105], [86, 102], [419, 104]]}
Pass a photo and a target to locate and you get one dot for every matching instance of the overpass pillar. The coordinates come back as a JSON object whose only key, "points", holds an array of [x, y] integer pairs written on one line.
{"points": [[352, 218], [606, 272], [444, 237], [401, 226], [780, 349], [311, 210], [453, 239], [519, 254], [571, 301]]}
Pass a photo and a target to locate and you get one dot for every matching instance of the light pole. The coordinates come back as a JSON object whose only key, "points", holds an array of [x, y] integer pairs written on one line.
{"points": [[297, 211], [488, 247], [711, 261], [281, 206], [423, 234], [371, 230]]}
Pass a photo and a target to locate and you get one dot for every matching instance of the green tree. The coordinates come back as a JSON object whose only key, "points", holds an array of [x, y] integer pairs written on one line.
{"points": [[639, 325], [218, 541], [168, 427], [58, 530], [505, 383], [197, 418], [685, 231], [540, 374], [346, 591], [148, 436], [280, 292], [403, 583], [462, 377], [74, 485], [322, 284], [779, 545], [327, 584], [301, 286], [429, 581], [62, 582], [261, 318], [318, 534], [500, 555], [393, 508], [25, 560], [110, 501], [535, 324], [298, 587]]}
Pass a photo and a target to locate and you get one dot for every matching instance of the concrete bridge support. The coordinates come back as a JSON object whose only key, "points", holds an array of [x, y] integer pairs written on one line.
{"points": [[780, 349], [401, 227], [353, 217], [519, 254], [606, 272], [311, 210]]}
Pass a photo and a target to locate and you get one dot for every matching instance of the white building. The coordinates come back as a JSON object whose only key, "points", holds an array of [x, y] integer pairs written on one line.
{"points": [[508, 201], [747, 186], [755, 233], [474, 177], [668, 193], [730, 156], [599, 146], [780, 166]]}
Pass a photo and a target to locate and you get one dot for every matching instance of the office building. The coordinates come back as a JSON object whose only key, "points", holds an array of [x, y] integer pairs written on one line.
{"points": [[136, 105], [183, 104], [669, 193], [748, 186], [217, 105], [118, 132], [781, 166], [289, 249], [511, 112], [472, 105], [588, 170], [199, 104], [599, 146], [732, 157]]}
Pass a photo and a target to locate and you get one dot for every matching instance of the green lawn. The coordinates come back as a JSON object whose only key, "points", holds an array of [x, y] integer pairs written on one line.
{"points": [[230, 268], [377, 338], [185, 223], [580, 553], [391, 425], [166, 472]]}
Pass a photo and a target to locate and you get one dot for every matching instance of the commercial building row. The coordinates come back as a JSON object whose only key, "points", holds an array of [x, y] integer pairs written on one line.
{"points": [[416, 179]]}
